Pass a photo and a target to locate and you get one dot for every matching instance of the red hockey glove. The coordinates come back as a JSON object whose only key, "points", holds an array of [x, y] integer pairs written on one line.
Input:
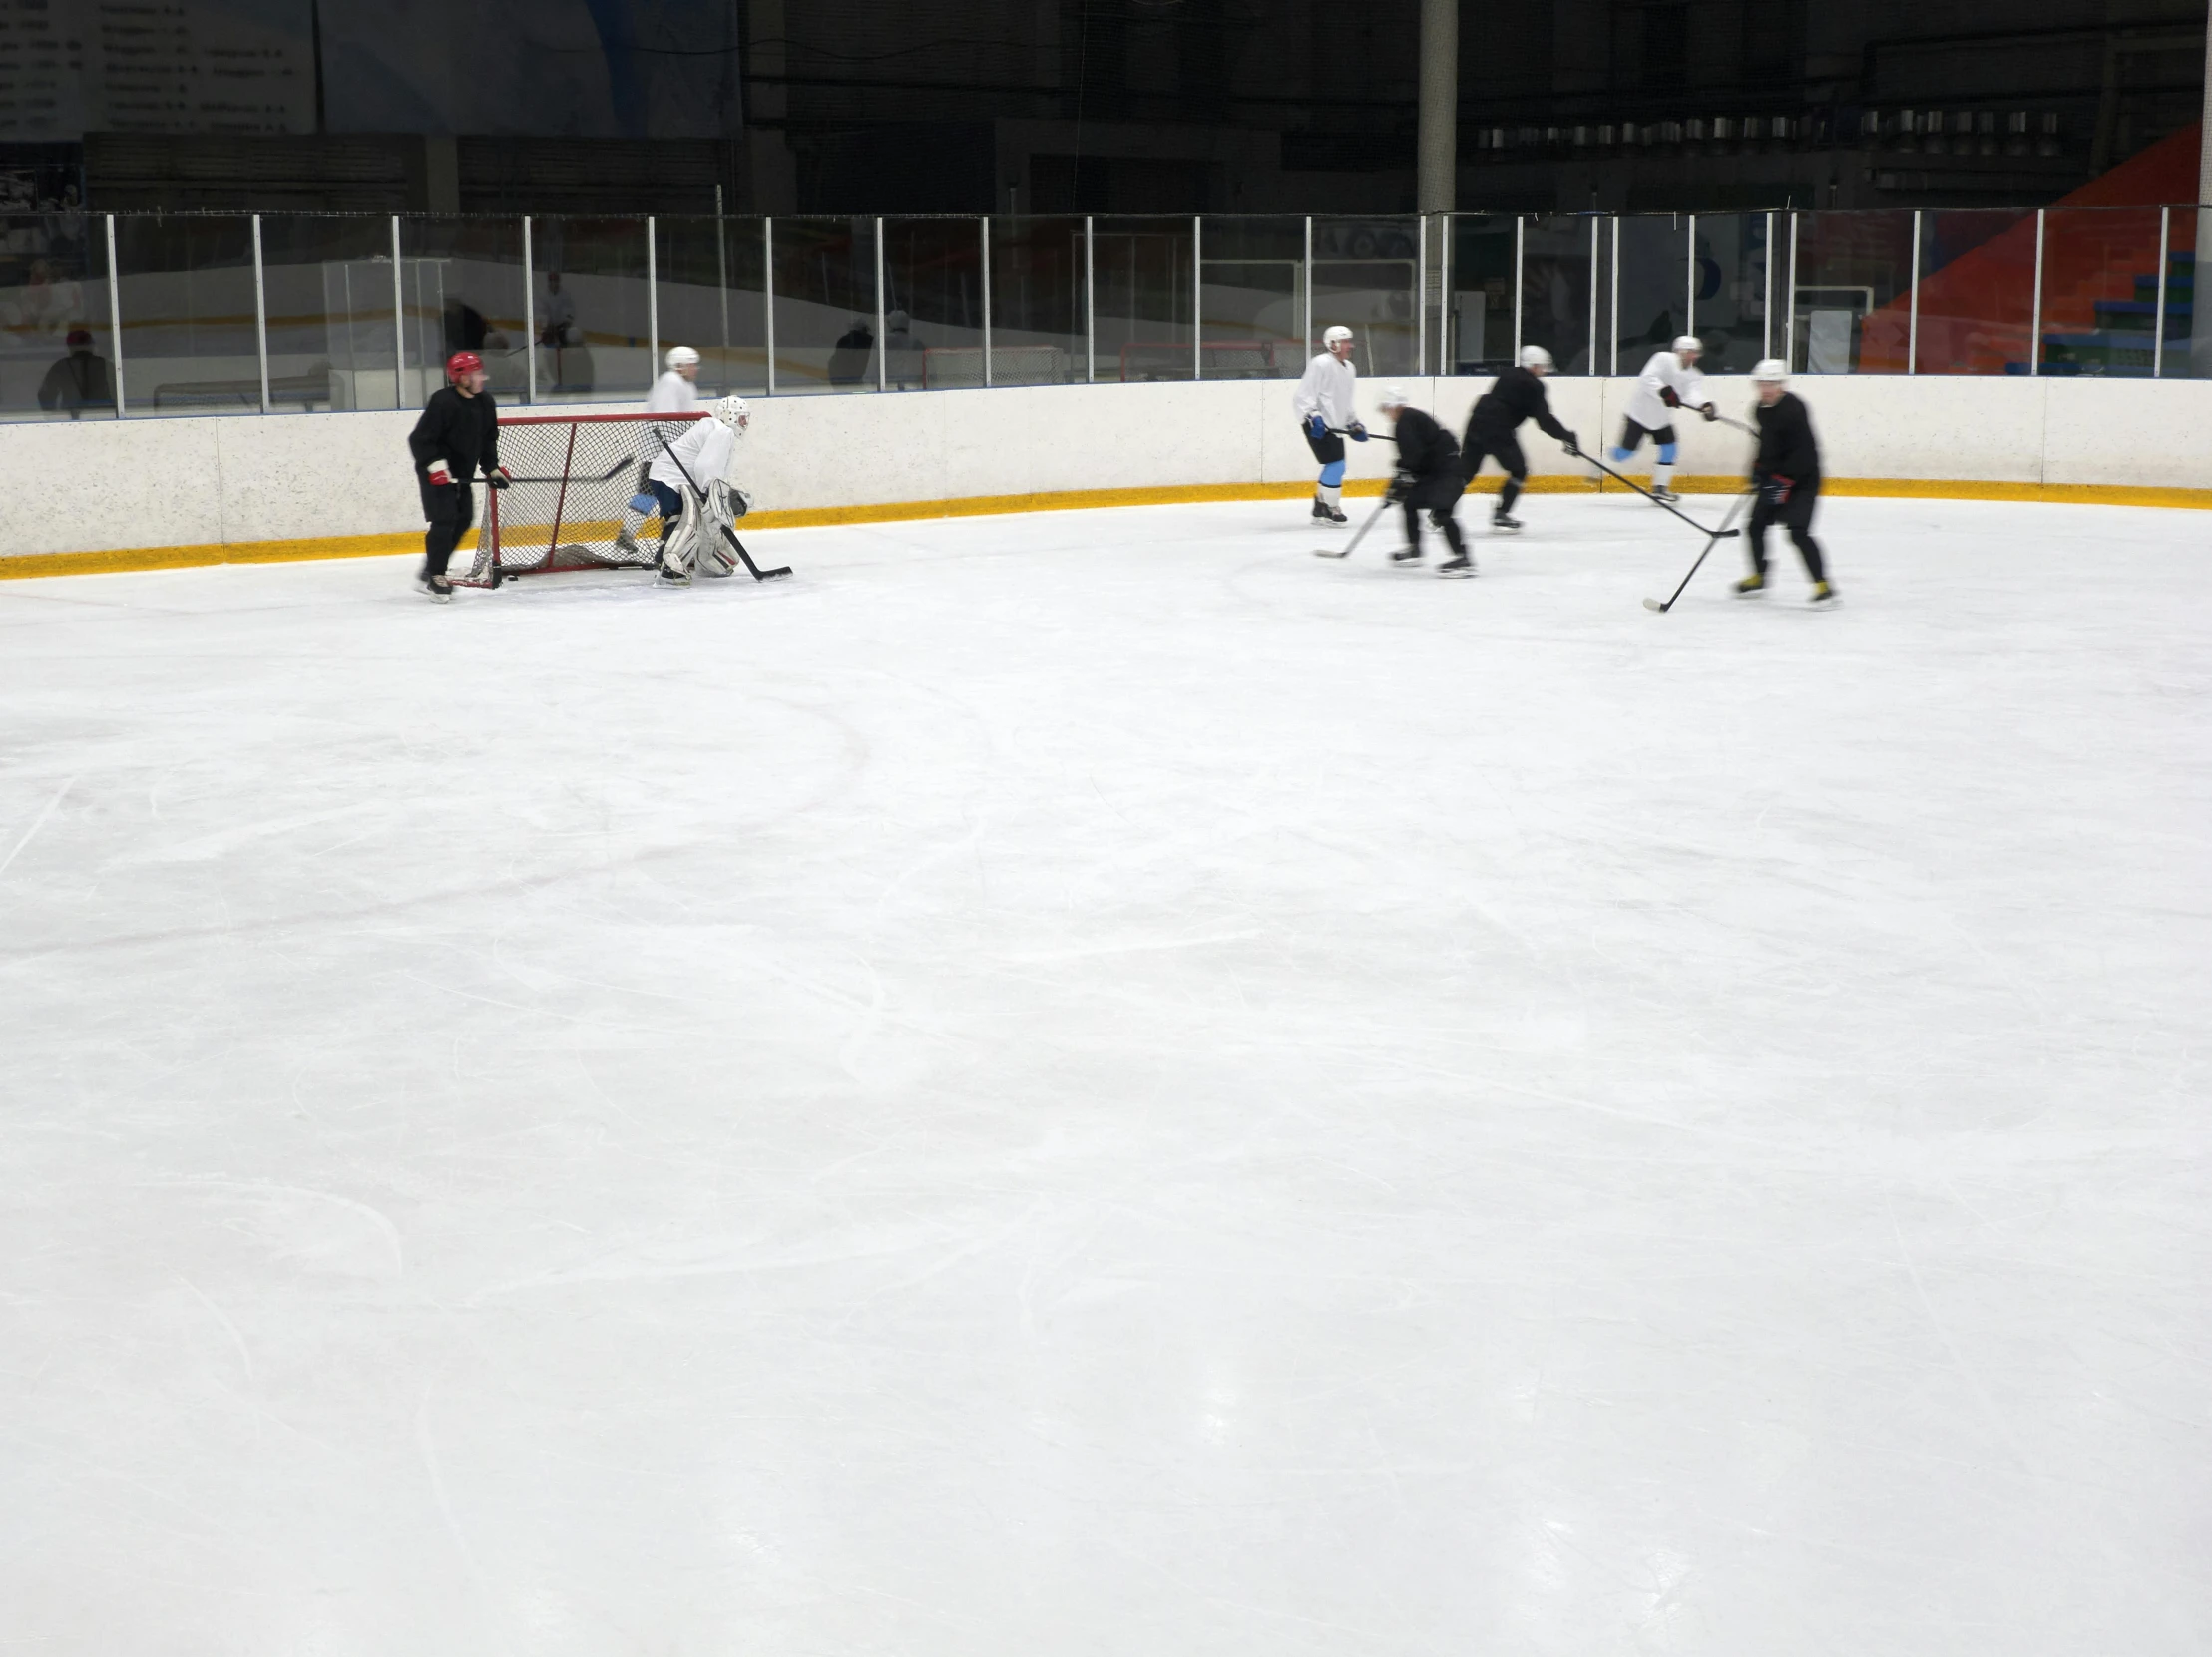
{"points": [[1667, 396], [438, 475], [499, 476], [1778, 489]]}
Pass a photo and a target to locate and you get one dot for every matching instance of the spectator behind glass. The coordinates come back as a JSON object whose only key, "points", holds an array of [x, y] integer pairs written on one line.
{"points": [[79, 382]]}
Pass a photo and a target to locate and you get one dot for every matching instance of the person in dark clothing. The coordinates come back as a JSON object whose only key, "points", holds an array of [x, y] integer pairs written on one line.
{"points": [[1429, 480], [1786, 475], [457, 434], [1515, 396], [80, 380]]}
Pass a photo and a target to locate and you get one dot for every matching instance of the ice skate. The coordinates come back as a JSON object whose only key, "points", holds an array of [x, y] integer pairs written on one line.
{"points": [[1504, 522], [435, 588], [1750, 586], [1323, 512], [1663, 495], [1458, 564], [673, 575], [1406, 554], [1823, 593]]}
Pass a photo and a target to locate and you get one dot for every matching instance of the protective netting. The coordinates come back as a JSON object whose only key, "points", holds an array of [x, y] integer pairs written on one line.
{"points": [[574, 475]]}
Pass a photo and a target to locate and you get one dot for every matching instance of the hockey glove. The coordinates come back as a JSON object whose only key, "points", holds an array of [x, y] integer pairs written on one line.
{"points": [[1572, 445], [1401, 486], [499, 476], [1316, 427], [1668, 397], [1708, 411], [1776, 489], [1356, 432], [437, 475]]}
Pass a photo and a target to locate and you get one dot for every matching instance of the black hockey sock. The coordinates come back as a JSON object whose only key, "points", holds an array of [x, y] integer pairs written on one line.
{"points": [[1809, 550], [1508, 495], [1451, 530]]}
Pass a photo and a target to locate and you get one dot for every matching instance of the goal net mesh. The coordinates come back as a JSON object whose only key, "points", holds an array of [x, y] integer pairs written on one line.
{"points": [[945, 368], [574, 475]]}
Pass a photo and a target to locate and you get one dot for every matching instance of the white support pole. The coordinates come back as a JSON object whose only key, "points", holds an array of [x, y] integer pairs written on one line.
{"points": [[986, 235], [1198, 288], [115, 318], [1445, 364], [1090, 310], [1594, 254], [1789, 337], [2158, 322], [882, 355], [721, 288], [261, 312], [1517, 225], [653, 305], [1421, 295], [1689, 303], [1911, 310], [1766, 317], [399, 324], [1305, 309], [1612, 347], [2036, 327], [529, 318], [767, 295]]}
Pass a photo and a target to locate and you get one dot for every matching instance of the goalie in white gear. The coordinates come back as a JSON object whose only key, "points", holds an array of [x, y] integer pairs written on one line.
{"points": [[690, 483], [1670, 381], [1323, 405]]}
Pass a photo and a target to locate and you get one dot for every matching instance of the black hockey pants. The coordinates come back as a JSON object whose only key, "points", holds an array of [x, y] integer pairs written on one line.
{"points": [[1794, 514], [1504, 448], [1436, 493], [451, 508]]}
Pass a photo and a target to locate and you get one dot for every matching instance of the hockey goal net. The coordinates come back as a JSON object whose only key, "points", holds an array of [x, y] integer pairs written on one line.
{"points": [[948, 367], [574, 478], [1217, 359]]}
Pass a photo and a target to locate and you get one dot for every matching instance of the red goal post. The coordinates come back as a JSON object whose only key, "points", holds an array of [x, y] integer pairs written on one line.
{"points": [[574, 477]]}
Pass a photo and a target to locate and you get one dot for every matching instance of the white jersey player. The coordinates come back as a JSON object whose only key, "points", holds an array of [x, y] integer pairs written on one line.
{"points": [[677, 390], [1323, 405], [692, 477], [1670, 381]]}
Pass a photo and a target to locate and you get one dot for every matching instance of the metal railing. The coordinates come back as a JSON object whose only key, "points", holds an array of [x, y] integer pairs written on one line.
{"points": [[153, 314]]}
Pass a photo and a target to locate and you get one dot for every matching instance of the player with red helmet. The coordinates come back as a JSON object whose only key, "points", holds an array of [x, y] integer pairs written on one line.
{"points": [[457, 434]]}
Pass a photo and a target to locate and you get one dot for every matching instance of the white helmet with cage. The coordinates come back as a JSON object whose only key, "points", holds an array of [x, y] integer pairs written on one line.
{"points": [[733, 413]]}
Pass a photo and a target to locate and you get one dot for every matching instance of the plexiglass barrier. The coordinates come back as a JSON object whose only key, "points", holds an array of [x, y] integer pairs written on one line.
{"points": [[106, 316]]}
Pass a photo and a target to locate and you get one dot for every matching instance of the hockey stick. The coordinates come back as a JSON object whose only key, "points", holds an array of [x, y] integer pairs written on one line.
{"points": [[1382, 436], [1654, 499], [1734, 507], [729, 535], [1382, 505]]}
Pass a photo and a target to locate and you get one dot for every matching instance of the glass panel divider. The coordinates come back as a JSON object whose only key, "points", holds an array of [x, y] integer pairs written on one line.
{"points": [[984, 231], [1912, 314], [529, 320], [399, 324], [261, 312], [1445, 363], [883, 355], [115, 318], [1517, 285], [1689, 298], [1593, 258], [1612, 347], [1789, 316], [2158, 322], [1090, 309], [653, 305], [722, 286], [2036, 312], [1305, 310], [767, 295], [1766, 319], [1421, 295], [1197, 296]]}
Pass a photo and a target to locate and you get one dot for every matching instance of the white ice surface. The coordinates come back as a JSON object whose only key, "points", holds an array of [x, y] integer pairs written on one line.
{"points": [[1092, 1085]]}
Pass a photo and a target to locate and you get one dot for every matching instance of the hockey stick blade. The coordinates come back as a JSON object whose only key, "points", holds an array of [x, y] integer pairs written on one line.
{"points": [[1712, 540], [759, 574]]}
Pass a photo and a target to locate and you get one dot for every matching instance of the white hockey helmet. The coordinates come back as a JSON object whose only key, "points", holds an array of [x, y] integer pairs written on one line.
{"points": [[1535, 357], [1771, 371], [1332, 337], [1689, 345], [733, 412], [1391, 396], [681, 357]]}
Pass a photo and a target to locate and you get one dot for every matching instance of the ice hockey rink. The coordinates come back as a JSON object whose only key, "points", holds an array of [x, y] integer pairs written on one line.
{"points": [[1089, 1085]]}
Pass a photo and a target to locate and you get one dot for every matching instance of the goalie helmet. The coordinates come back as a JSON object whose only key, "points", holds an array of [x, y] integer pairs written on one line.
{"points": [[1771, 371], [681, 357], [463, 362], [1535, 357], [1688, 344], [733, 412]]}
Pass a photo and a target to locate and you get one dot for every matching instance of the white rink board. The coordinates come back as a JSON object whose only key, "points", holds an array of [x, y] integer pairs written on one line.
{"points": [[245, 478], [1093, 1083]]}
